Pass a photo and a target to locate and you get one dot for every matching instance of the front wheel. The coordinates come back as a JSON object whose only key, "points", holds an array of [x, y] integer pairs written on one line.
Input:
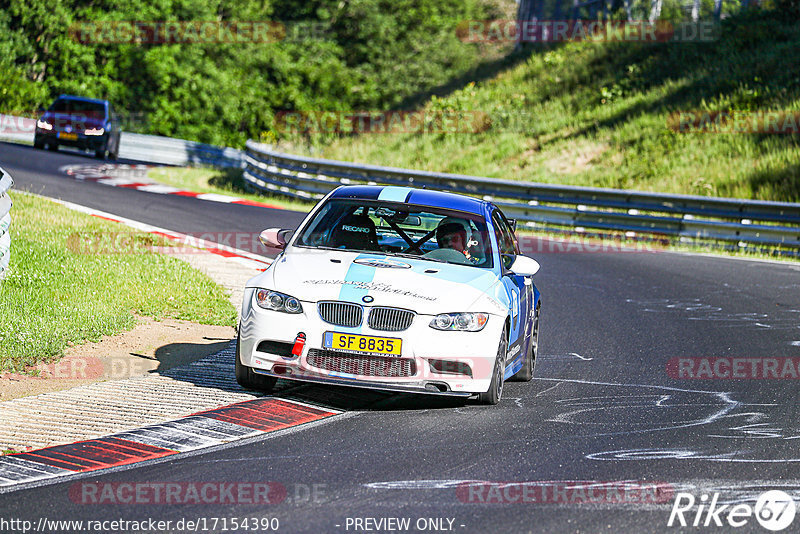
{"points": [[525, 374], [249, 379], [495, 392], [113, 148]]}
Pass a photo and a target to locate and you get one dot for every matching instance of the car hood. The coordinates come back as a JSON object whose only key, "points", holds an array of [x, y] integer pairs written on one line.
{"points": [[425, 287]]}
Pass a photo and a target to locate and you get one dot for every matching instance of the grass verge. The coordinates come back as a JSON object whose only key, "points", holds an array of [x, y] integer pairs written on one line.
{"points": [[55, 295]]}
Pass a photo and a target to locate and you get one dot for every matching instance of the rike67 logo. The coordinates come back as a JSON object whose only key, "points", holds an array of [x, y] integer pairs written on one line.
{"points": [[774, 510]]}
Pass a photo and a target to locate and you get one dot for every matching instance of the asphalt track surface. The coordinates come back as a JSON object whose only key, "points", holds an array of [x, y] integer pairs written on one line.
{"points": [[602, 406]]}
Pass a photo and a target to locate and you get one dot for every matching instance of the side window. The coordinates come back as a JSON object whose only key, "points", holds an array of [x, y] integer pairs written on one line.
{"points": [[509, 231], [505, 238]]}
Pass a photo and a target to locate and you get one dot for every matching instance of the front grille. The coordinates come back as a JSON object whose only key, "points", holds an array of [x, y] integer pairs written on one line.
{"points": [[356, 364], [391, 319], [341, 313]]}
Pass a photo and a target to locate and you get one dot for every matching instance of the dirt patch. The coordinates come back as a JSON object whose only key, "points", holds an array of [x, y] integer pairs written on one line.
{"points": [[151, 346], [526, 158], [576, 158]]}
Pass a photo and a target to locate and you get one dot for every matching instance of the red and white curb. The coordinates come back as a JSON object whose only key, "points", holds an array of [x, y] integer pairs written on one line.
{"points": [[198, 431], [248, 259], [135, 177]]}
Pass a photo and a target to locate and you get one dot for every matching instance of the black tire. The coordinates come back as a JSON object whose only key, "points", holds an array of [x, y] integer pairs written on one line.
{"points": [[495, 392], [100, 153], [249, 379], [38, 144], [113, 154], [52, 145], [525, 374]]}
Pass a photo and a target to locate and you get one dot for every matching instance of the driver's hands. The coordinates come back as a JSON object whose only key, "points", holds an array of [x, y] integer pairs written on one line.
{"points": [[470, 258]]}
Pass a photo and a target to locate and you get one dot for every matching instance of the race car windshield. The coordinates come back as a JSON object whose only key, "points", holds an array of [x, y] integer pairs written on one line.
{"points": [[66, 105], [400, 230]]}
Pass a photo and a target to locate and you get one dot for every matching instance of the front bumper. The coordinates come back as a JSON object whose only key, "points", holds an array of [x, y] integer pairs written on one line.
{"points": [[82, 141], [440, 359]]}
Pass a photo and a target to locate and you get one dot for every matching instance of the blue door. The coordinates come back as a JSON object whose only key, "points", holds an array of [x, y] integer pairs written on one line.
{"points": [[521, 294]]}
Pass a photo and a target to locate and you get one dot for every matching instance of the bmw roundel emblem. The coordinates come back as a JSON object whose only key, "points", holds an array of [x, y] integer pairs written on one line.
{"points": [[367, 299]]}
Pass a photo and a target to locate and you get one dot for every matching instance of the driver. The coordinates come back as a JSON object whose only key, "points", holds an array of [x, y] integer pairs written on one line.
{"points": [[453, 237]]}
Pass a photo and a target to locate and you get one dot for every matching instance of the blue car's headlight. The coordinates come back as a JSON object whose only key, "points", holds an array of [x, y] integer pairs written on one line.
{"points": [[466, 322], [272, 300]]}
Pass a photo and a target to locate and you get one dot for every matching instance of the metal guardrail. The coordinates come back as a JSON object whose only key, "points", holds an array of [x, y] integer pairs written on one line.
{"points": [[140, 147], [5, 221], [170, 151], [546, 205]]}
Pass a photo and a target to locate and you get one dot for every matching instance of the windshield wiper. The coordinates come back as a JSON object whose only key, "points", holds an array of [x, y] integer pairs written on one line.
{"points": [[414, 256], [323, 247]]}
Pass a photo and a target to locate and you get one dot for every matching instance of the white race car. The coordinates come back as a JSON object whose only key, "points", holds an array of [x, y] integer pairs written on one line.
{"points": [[395, 289]]}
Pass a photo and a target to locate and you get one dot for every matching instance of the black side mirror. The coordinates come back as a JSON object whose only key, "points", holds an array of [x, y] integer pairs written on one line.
{"points": [[275, 237]]}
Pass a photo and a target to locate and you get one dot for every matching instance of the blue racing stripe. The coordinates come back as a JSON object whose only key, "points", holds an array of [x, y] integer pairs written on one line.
{"points": [[353, 293], [394, 194]]}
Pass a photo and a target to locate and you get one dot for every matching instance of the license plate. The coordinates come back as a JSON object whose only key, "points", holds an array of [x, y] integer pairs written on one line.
{"points": [[68, 136], [366, 344]]}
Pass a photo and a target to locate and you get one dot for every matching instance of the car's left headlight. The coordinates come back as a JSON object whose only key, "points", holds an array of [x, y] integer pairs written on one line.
{"points": [[94, 131], [466, 322], [272, 300]]}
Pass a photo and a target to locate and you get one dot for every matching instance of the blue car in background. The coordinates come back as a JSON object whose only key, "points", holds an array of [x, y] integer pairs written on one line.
{"points": [[83, 123]]}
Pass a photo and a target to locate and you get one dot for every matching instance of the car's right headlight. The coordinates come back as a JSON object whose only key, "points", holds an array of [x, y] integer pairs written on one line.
{"points": [[44, 125], [465, 322], [272, 300]]}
